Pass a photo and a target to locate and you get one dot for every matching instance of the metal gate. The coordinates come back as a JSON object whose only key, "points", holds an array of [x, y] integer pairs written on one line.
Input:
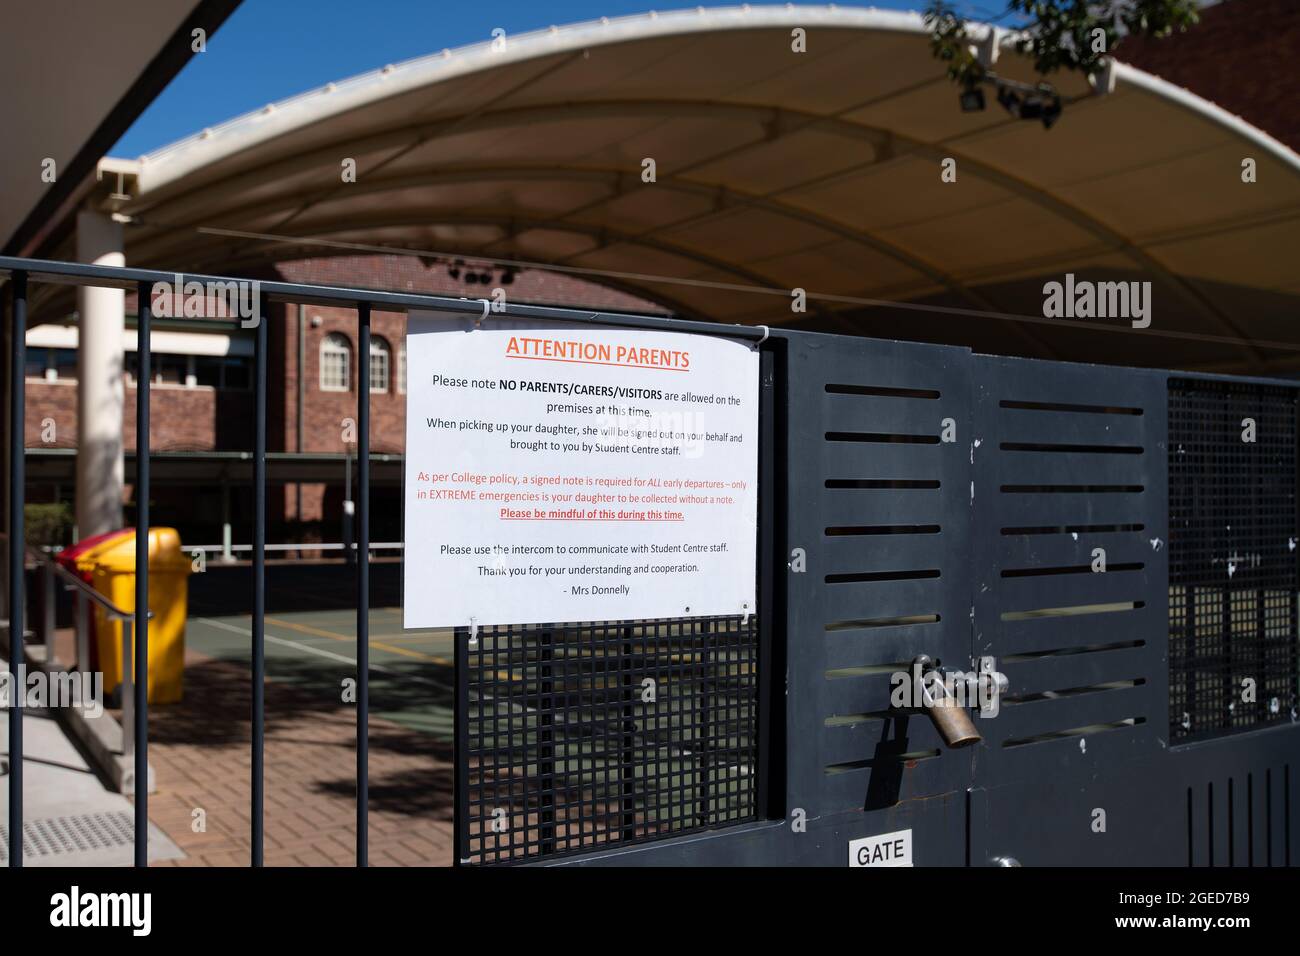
{"points": [[1121, 543], [1107, 536]]}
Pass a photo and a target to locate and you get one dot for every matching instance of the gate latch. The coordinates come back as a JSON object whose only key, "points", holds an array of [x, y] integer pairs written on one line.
{"points": [[945, 698]]}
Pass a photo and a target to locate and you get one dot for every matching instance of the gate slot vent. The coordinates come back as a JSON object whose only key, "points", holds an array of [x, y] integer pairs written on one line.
{"points": [[891, 760], [1069, 407], [1074, 732], [904, 621], [859, 577], [867, 670], [1072, 611], [1070, 569], [882, 529], [1077, 529], [1070, 651], [883, 438], [883, 391], [1071, 449], [1070, 489], [1009, 699], [850, 720], [893, 484]]}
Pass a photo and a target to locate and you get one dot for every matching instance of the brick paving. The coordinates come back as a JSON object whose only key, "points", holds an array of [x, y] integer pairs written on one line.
{"points": [[199, 750]]}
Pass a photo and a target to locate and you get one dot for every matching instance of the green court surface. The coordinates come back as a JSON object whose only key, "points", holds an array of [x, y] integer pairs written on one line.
{"points": [[411, 672]]}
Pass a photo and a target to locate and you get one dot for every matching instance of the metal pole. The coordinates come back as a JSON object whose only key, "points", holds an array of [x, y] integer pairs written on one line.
{"points": [[17, 533], [142, 580], [127, 690], [83, 633], [47, 610], [348, 507], [363, 583], [226, 554], [259, 590]]}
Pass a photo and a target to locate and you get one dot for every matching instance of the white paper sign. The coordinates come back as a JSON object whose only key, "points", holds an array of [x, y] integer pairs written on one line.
{"points": [[577, 473]]}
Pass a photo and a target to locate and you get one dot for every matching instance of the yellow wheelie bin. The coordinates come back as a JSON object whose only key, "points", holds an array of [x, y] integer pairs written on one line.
{"points": [[113, 575]]}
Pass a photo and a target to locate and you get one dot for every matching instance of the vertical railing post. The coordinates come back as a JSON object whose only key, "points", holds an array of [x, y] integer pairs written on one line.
{"points": [[47, 609], [83, 632], [141, 789], [126, 690], [17, 533], [259, 589], [363, 582]]}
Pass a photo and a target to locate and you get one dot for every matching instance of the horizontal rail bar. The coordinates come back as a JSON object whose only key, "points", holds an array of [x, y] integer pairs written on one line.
{"points": [[118, 277], [304, 546]]}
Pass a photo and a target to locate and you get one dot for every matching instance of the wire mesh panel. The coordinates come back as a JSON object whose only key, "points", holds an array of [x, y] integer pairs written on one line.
{"points": [[577, 737], [1232, 556]]}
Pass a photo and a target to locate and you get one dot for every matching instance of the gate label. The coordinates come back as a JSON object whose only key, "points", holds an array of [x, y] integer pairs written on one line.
{"points": [[887, 849], [559, 472]]}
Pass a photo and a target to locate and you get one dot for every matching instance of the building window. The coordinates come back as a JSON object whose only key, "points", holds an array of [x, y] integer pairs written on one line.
{"points": [[166, 368], [223, 371], [401, 369], [65, 364], [379, 364], [51, 364], [38, 363], [335, 373]]}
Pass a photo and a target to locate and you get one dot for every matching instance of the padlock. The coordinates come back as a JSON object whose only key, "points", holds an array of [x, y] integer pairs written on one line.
{"points": [[949, 716], [951, 720]]}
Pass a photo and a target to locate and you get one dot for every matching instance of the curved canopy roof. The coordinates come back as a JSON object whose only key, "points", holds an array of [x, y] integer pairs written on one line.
{"points": [[774, 169]]}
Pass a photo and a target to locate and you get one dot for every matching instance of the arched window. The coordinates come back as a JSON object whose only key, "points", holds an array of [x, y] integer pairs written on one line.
{"points": [[380, 363], [335, 355]]}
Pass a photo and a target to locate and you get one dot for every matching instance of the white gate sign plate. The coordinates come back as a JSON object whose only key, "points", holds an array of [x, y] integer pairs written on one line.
{"points": [[885, 849]]}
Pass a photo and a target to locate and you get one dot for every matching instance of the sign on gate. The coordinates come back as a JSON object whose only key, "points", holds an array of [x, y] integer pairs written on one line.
{"points": [[577, 473]]}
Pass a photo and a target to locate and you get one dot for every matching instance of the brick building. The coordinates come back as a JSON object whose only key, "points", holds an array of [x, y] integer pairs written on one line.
{"points": [[202, 399]]}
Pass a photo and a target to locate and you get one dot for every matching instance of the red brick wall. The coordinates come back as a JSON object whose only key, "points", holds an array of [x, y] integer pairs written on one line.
{"points": [[325, 411], [1241, 56], [56, 400], [204, 419], [180, 419]]}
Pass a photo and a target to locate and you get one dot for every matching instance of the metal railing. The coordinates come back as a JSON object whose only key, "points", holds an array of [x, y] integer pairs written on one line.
{"points": [[19, 272], [85, 595], [228, 551]]}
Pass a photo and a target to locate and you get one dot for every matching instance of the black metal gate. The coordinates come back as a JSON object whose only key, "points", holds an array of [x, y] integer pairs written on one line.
{"points": [[1105, 535], [1121, 544]]}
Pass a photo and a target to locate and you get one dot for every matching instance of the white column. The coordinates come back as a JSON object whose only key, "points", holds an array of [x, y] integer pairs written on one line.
{"points": [[102, 318]]}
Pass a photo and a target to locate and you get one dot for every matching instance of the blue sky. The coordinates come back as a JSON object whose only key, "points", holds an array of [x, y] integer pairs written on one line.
{"points": [[270, 49]]}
